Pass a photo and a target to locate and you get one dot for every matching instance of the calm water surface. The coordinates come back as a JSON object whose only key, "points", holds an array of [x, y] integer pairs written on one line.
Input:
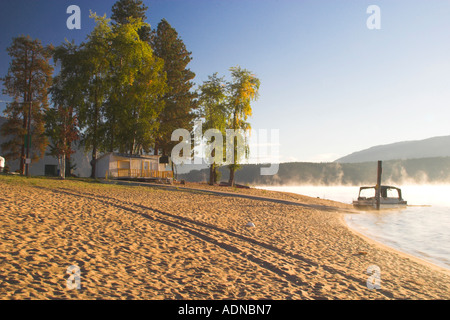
{"points": [[422, 229]]}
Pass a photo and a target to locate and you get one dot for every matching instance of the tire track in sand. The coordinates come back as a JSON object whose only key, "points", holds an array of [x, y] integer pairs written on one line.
{"points": [[285, 264]]}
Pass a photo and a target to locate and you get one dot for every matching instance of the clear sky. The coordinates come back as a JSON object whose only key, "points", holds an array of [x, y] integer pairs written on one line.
{"points": [[328, 83]]}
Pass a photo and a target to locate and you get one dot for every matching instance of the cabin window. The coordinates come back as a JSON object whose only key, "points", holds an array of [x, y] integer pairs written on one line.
{"points": [[146, 165], [123, 164]]}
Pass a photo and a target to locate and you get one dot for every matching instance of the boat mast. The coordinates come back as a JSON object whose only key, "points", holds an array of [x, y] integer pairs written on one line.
{"points": [[378, 189]]}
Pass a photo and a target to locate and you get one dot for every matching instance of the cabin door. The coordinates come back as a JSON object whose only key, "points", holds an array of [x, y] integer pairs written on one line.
{"points": [[146, 168], [123, 168]]}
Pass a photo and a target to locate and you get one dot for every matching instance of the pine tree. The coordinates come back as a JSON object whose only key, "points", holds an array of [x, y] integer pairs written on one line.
{"points": [[179, 101], [125, 10], [28, 79]]}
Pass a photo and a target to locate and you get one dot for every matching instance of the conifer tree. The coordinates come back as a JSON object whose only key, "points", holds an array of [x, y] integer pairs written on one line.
{"points": [[180, 101], [28, 79], [125, 10]]}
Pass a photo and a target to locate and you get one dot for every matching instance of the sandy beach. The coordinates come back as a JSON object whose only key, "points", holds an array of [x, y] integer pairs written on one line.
{"points": [[136, 242]]}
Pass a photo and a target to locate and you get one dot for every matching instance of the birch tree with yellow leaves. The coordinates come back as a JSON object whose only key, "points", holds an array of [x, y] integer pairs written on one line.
{"points": [[243, 89]]}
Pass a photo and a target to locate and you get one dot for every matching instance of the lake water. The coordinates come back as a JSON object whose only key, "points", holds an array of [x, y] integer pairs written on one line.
{"points": [[422, 229]]}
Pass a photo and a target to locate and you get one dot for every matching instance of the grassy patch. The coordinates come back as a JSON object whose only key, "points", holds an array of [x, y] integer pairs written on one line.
{"points": [[49, 182], [80, 184]]}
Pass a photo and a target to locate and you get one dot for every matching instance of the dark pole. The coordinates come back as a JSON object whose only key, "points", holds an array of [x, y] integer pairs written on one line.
{"points": [[378, 195], [27, 167]]}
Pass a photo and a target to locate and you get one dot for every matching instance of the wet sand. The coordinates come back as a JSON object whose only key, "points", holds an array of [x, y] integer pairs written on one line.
{"points": [[154, 243]]}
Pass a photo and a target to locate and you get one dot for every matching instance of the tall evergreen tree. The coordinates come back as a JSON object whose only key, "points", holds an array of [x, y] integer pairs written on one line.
{"points": [[125, 10], [28, 79], [180, 100]]}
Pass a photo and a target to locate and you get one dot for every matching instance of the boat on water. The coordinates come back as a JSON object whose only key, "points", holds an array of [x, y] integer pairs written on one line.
{"points": [[389, 198]]}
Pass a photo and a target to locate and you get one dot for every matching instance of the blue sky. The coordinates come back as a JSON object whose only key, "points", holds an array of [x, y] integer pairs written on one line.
{"points": [[328, 83]]}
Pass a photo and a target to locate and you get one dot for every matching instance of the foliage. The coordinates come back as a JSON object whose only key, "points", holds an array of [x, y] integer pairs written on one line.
{"points": [[124, 11], [228, 106], [61, 128], [213, 110], [242, 91], [179, 101], [94, 61], [61, 120], [137, 83], [114, 84], [27, 82]]}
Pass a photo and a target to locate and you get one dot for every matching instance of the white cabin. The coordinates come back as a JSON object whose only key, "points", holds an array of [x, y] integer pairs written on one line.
{"points": [[123, 166]]}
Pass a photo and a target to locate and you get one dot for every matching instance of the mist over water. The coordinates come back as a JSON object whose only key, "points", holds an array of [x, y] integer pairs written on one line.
{"points": [[422, 229]]}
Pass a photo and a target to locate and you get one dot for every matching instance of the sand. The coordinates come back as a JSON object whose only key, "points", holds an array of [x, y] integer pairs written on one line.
{"points": [[154, 243]]}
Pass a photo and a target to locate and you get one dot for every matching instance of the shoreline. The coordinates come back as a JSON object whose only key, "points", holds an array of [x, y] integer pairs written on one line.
{"points": [[396, 250], [380, 242], [156, 243]]}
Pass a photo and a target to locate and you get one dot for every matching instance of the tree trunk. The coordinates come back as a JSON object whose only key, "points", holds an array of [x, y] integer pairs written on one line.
{"points": [[216, 174], [94, 161], [28, 154], [174, 171], [111, 146], [231, 181], [68, 163], [22, 152], [25, 120], [63, 167], [212, 174], [95, 142], [30, 105], [63, 164], [233, 165]]}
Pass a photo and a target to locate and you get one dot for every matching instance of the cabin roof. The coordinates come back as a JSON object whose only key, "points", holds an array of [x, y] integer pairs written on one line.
{"points": [[132, 156]]}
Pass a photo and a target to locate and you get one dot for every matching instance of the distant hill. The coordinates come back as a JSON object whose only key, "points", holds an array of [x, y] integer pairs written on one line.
{"points": [[428, 148], [397, 172], [424, 161]]}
